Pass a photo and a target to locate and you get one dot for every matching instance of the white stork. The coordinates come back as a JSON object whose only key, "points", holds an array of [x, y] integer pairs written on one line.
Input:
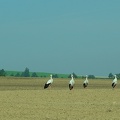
{"points": [[85, 83], [48, 83], [114, 82], [71, 83]]}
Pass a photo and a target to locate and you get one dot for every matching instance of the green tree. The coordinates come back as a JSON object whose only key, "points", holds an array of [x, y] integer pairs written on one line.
{"points": [[110, 75], [55, 76], [2, 72], [17, 74], [91, 76], [34, 74], [25, 73]]}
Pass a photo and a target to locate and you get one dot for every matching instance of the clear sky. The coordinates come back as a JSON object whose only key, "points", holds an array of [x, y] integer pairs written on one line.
{"points": [[60, 36]]}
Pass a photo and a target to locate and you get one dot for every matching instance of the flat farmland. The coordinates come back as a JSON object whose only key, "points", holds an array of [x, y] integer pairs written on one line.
{"points": [[25, 99]]}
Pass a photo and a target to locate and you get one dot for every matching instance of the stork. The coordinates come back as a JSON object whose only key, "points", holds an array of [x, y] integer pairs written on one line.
{"points": [[85, 83], [114, 82], [71, 83], [48, 83]]}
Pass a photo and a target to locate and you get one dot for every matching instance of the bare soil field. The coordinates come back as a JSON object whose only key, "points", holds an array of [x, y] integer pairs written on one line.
{"points": [[25, 99]]}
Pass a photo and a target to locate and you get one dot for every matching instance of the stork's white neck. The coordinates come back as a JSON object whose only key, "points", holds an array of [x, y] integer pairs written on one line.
{"points": [[50, 76], [72, 76]]}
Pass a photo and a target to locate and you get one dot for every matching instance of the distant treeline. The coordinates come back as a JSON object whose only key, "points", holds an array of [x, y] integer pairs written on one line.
{"points": [[27, 73]]}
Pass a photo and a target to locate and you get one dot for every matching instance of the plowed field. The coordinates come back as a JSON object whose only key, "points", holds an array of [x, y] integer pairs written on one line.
{"points": [[25, 99]]}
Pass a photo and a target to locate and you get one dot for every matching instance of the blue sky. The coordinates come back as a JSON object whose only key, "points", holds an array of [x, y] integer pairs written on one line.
{"points": [[60, 36]]}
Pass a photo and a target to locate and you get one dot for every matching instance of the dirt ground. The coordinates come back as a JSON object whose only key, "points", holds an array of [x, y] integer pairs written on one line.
{"points": [[97, 102]]}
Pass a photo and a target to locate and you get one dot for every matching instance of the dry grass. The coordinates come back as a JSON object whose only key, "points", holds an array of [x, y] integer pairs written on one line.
{"points": [[25, 99]]}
